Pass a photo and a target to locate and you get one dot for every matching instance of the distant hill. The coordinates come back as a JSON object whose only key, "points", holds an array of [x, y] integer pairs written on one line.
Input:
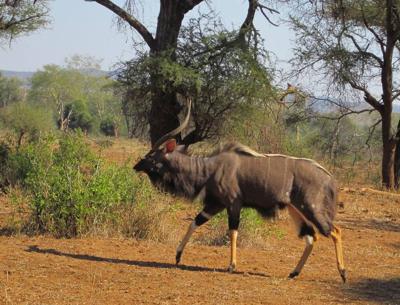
{"points": [[22, 75], [25, 76]]}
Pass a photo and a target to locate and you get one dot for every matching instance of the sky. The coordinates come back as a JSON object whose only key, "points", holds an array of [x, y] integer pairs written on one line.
{"points": [[85, 28]]}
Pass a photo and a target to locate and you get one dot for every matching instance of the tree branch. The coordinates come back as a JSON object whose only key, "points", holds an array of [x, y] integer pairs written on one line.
{"points": [[248, 22], [271, 10], [380, 41], [13, 22], [133, 22], [367, 96], [364, 52], [341, 116], [371, 131], [190, 4]]}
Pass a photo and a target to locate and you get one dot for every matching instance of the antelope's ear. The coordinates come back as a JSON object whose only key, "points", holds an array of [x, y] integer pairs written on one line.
{"points": [[170, 146]]}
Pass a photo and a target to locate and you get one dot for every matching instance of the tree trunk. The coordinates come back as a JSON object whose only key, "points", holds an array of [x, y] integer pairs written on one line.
{"points": [[397, 158], [165, 107], [388, 157], [20, 137], [388, 153], [388, 141], [163, 114]]}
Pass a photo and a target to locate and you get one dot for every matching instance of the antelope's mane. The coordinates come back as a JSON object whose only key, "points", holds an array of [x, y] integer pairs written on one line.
{"points": [[247, 151], [237, 148]]}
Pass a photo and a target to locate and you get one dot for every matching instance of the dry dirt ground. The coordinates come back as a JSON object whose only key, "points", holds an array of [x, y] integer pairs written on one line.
{"points": [[42, 270]]}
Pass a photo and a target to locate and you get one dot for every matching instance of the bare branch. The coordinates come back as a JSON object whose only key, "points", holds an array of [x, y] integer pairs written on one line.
{"points": [[371, 132], [190, 4], [367, 96], [263, 8], [341, 116], [363, 51], [244, 29], [133, 22], [380, 41], [396, 94]]}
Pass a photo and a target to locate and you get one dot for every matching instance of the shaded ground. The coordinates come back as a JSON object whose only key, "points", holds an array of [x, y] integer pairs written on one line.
{"points": [[42, 270]]}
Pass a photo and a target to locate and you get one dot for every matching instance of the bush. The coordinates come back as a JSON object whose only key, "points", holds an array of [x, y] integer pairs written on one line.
{"points": [[26, 121], [4, 156], [79, 116], [109, 127], [70, 189]]}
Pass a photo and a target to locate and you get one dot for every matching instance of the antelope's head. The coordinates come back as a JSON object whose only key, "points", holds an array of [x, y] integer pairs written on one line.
{"points": [[155, 162]]}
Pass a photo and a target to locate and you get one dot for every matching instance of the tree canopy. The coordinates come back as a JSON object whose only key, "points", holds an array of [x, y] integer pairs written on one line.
{"points": [[220, 81], [353, 47], [19, 17], [163, 49]]}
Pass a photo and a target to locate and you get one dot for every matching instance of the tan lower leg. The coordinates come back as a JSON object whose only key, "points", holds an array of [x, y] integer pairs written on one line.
{"points": [[336, 235], [233, 235], [307, 251], [184, 241]]}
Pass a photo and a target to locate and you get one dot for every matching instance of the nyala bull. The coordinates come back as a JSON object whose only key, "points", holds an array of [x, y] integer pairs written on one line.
{"points": [[235, 177]]}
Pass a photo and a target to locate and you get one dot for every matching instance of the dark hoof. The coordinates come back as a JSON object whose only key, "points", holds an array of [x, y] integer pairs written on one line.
{"points": [[231, 268], [178, 257], [343, 275], [293, 275]]}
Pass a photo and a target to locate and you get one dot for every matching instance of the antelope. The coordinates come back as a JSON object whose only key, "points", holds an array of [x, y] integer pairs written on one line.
{"points": [[235, 177]]}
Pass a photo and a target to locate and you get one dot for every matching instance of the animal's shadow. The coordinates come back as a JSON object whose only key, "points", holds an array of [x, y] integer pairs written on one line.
{"points": [[138, 263], [382, 291], [372, 224]]}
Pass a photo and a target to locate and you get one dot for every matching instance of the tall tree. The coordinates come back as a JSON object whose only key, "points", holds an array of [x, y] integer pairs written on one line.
{"points": [[18, 17], [354, 46], [11, 91], [55, 87], [163, 44], [222, 83], [78, 88]]}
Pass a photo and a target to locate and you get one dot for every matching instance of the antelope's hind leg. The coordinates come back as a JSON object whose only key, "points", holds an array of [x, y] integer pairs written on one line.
{"points": [[233, 222], [307, 231], [336, 235], [208, 212]]}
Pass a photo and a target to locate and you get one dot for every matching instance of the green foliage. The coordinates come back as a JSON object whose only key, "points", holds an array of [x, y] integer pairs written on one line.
{"points": [[26, 121], [109, 127], [18, 17], [223, 79], [10, 91], [253, 229], [78, 116], [172, 76], [70, 189], [79, 86], [54, 87]]}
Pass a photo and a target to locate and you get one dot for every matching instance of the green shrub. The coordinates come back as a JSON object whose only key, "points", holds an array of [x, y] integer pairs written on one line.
{"points": [[109, 127], [26, 121], [79, 116], [71, 190]]}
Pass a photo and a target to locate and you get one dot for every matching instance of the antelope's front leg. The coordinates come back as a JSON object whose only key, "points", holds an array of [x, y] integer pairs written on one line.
{"points": [[233, 235], [233, 219], [201, 218]]}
